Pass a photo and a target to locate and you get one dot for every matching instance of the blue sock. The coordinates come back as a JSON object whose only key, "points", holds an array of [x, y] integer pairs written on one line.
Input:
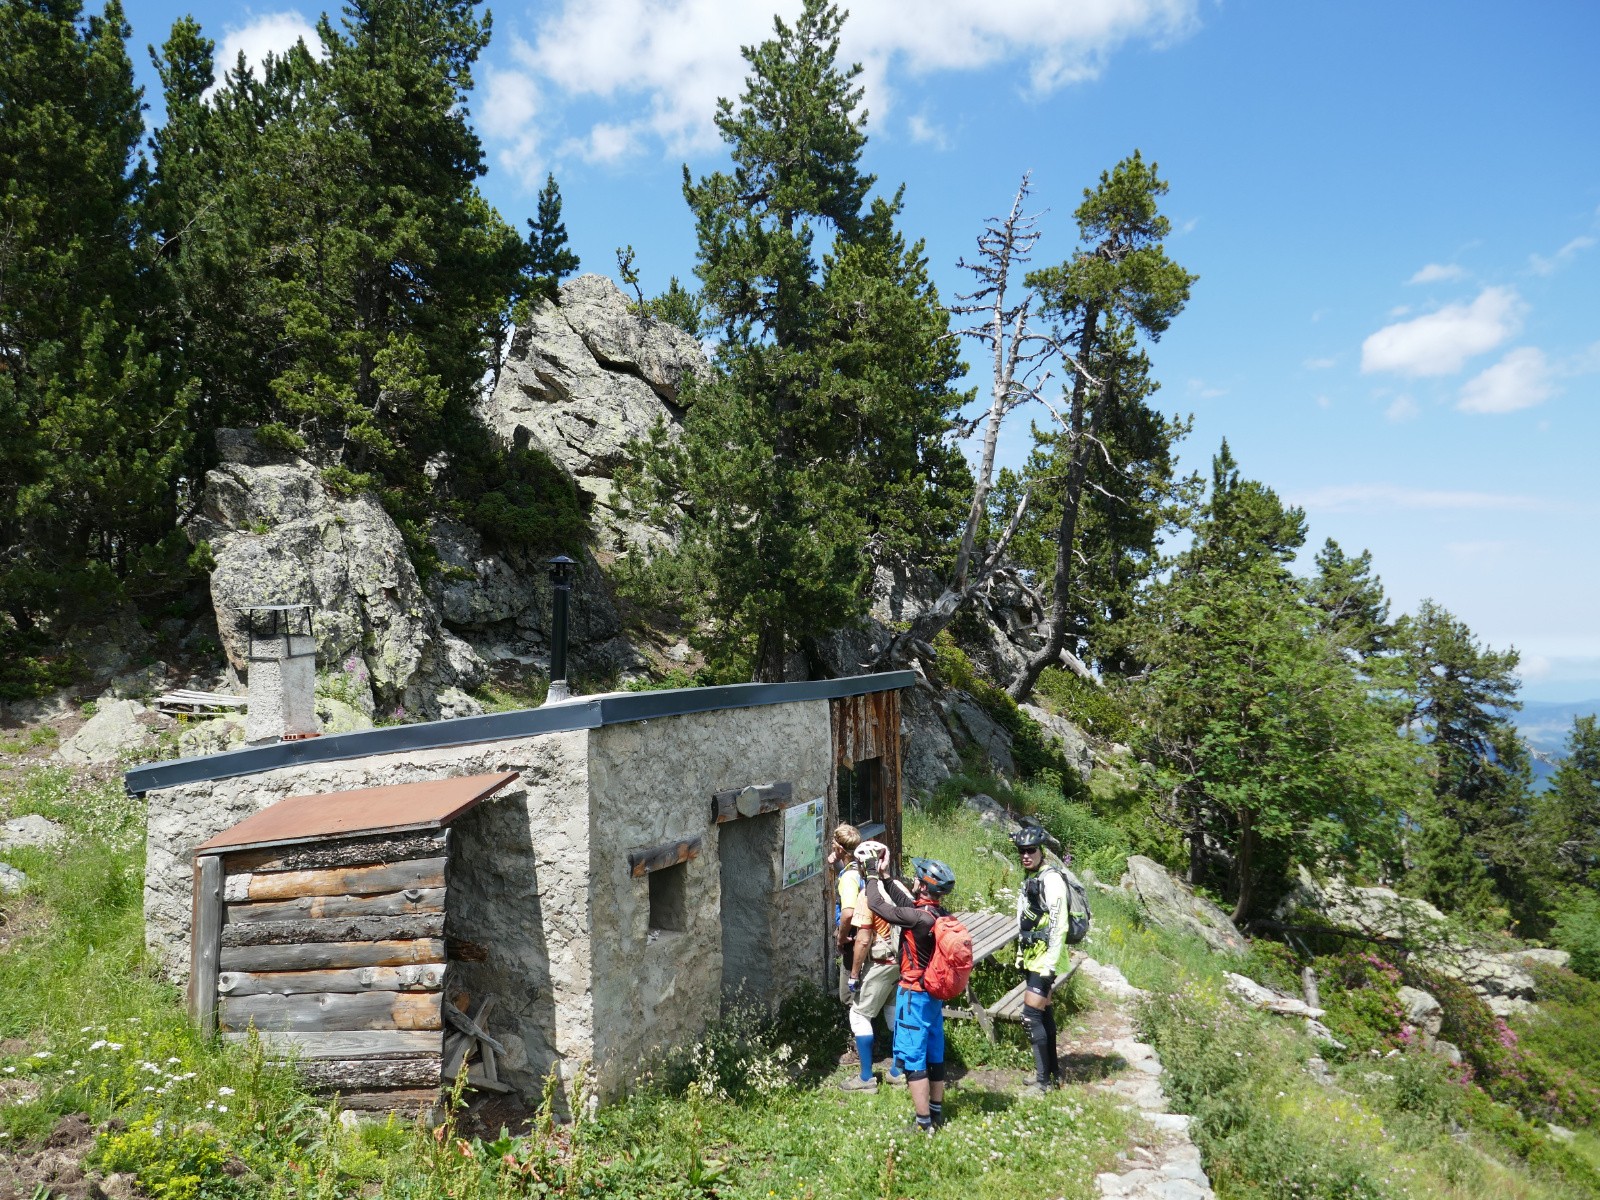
{"points": [[864, 1049], [895, 1069]]}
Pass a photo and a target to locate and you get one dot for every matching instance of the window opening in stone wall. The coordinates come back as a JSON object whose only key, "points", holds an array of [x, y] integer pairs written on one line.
{"points": [[669, 898], [861, 793]]}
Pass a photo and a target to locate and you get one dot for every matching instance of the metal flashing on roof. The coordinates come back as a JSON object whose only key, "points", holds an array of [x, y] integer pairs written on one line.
{"points": [[429, 804], [592, 713]]}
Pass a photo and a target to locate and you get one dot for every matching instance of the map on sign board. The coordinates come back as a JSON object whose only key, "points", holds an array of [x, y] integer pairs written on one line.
{"points": [[802, 841]]}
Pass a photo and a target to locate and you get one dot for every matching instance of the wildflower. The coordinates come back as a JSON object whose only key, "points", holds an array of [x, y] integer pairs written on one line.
{"points": [[10, 1070], [149, 1087], [222, 1108], [173, 1060], [97, 1043], [42, 1054], [224, 1091]]}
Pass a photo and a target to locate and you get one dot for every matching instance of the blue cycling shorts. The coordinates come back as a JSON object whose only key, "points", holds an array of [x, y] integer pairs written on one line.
{"points": [[918, 1030]]}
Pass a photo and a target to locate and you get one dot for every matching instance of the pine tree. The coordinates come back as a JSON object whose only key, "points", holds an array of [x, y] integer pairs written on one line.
{"points": [[1118, 287], [819, 446], [1571, 808], [1271, 745], [343, 283], [1351, 599], [550, 259], [90, 446], [1472, 854]]}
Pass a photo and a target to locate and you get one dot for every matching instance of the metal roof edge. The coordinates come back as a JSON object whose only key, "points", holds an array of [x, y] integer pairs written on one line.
{"points": [[494, 727], [363, 743], [678, 702]]}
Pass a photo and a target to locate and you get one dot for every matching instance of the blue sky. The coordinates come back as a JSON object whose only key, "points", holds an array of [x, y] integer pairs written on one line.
{"points": [[1394, 211]]}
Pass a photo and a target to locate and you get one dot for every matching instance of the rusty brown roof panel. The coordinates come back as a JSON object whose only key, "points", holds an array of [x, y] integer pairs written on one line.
{"points": [[426, 805]]}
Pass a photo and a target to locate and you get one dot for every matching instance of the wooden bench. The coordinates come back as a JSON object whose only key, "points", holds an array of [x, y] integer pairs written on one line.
{"points": [[188, 702], [991, 933]]}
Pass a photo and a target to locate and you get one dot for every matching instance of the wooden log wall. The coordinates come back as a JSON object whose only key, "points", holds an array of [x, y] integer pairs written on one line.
{"points": [[333, 953]]}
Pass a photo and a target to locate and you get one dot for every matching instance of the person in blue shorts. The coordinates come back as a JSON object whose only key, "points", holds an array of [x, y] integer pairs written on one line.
{"points": [[918, 1017]]}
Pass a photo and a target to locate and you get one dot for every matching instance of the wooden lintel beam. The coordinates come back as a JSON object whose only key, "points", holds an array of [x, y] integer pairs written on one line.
{"points": [[668, 854], [750, 801]]}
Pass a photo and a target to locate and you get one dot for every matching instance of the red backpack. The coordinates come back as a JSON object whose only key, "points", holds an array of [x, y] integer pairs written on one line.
{"points": [[945, 977]]}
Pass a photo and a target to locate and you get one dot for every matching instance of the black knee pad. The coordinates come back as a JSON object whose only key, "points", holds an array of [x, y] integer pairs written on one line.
{"points": [[1033, 1020], [936, 1072], [914, 1076]]}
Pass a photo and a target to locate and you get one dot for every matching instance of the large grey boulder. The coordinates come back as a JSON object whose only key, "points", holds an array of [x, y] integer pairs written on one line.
{"points": [[112, 731], [1067, 737], [1423, 1011], [583, 379], [1172, 904], [12, 881], [280, 537]]}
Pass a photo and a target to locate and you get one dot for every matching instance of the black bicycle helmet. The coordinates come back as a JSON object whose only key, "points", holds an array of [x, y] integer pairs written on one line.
{"points": [[1029, 837], [934, 875]]}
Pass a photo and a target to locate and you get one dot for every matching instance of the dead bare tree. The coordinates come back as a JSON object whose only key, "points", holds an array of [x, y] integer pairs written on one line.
{"points": [[1020, 358]]}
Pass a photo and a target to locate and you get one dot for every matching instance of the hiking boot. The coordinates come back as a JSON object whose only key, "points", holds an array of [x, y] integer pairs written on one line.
{"points": [[1034, 1088], [895, 1079], [926, 1130], [857, 1084]]}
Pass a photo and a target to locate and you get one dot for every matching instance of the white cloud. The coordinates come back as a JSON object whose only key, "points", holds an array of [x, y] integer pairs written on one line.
{"points": [[1540, 265], [1390, 497], [1318, 364], [1522, 379], [509, 114], [1399, 310], [1438, 273], [1402, 408], [662, 64], [924, 132], [271, 33], [1439, 343]]}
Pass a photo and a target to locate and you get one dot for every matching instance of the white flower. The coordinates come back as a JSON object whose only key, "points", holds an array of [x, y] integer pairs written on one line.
{"points": [[86, 1029], [114, 1045], [172, 1060], [42, 1054], [222, 1108], [224, 1091], [97, 1043], [149, 1087], [11, 1070]]}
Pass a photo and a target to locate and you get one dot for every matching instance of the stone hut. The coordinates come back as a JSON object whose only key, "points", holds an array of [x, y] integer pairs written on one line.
{"points": [[655, 854]]}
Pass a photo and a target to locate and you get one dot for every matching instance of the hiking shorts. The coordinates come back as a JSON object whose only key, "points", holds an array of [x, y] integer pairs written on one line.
{"points": [[918, 1030], [880, 982]]}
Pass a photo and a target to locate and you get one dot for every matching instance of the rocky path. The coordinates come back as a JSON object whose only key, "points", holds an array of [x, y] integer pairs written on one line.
{"points": [[1162, 1164]]}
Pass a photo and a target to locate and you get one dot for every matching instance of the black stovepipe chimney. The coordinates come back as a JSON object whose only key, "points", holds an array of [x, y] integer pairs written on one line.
{"points": [[561, 582]]}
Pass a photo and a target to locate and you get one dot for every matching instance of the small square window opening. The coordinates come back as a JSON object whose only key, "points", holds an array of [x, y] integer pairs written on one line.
{"points": [[669, 898]]}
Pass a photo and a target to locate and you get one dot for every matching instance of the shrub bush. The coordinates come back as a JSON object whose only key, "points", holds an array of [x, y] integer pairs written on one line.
{"points": [[1577, 931]]}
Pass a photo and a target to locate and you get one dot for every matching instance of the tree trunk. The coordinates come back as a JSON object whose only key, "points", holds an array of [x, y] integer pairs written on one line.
{"points": [[1247, 849], [770, 655], [1081, 420], [1197, 844]]}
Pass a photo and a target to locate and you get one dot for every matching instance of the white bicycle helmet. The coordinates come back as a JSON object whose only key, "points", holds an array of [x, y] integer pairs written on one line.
{"points": [[873, 858]]}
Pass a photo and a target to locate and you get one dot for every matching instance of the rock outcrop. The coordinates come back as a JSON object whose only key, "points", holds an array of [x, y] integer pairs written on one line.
{"points": [[584, 378], [1171, 904], [280, 537], [1500, 978], [1069, 739]]}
